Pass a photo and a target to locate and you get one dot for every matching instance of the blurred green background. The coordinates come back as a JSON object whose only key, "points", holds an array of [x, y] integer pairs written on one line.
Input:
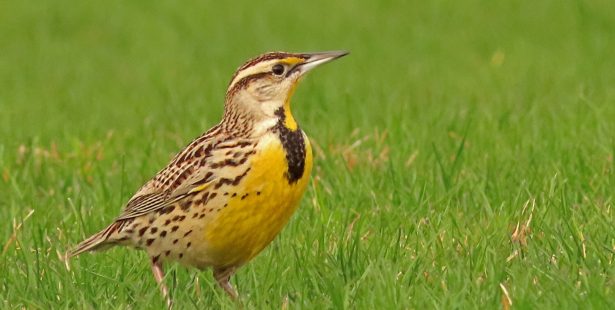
{"points": [[464, 149]]}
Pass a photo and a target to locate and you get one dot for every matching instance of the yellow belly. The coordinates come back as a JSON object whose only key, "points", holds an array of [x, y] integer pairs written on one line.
{"points": [[263, 204]]}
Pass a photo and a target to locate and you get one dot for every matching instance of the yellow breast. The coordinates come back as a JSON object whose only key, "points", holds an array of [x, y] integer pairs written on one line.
{"points": [[259, 209]]}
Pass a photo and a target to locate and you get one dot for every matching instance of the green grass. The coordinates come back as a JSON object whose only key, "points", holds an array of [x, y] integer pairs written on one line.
{"points": [[450, 124]]}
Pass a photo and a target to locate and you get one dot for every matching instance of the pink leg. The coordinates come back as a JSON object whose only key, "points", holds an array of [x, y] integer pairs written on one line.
{"points": [[159, 276], [222, 276]]}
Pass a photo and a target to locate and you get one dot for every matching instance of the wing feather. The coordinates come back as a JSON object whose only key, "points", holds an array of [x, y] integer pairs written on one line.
{"points": [[186, 174]]}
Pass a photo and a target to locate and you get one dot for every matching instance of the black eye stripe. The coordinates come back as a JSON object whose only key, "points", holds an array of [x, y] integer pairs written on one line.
{"points": [[243, 82]]}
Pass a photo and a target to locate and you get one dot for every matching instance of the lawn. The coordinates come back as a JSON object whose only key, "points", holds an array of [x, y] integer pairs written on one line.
{"points": [[464, 149]]}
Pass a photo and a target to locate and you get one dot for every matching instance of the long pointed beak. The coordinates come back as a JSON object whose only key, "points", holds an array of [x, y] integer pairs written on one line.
{"points": [[313, 60]]}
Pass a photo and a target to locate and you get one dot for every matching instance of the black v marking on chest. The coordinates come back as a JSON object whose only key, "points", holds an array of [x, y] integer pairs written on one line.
{"points": [[294, 146]]}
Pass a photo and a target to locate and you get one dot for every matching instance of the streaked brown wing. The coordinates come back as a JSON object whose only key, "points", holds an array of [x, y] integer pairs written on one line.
{"points": [[188, 171]]}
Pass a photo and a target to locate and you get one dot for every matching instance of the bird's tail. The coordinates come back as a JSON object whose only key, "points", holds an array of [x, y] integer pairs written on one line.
{"points": [[98, 241]]}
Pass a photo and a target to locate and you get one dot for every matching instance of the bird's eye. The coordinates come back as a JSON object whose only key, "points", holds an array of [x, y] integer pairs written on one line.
{"points": [[278, 69]]}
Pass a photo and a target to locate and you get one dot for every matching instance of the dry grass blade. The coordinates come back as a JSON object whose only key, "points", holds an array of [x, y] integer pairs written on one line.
{"points": [[16, 228], [506, 300]]}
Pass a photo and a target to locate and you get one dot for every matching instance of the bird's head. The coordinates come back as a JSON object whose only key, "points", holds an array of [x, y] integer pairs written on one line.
{"points": [[261, 88]]}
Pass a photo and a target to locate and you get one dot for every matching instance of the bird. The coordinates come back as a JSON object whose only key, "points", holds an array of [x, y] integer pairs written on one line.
{"points": [[223, 198]]}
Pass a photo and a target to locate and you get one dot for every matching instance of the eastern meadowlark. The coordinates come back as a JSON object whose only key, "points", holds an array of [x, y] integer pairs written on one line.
{"points": [[225, 197]]}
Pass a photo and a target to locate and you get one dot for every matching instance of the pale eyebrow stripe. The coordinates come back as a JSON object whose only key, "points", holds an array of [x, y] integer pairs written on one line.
{"points": [[251, 70]]}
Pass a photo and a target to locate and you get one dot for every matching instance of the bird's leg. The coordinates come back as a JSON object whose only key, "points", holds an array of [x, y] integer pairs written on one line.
{"points": [[222, 276], [159, 276]]}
